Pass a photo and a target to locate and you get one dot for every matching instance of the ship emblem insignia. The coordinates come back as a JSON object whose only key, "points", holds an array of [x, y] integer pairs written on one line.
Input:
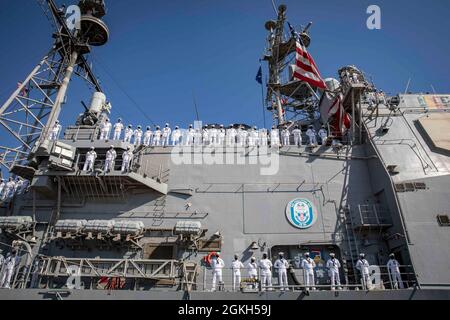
{"points": [[300, 213]]}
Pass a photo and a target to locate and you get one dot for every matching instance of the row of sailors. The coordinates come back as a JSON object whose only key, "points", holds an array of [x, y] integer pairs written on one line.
{"points": [[211, 136], [7, 267], [110, 158], [11, 187], [281, 265]]}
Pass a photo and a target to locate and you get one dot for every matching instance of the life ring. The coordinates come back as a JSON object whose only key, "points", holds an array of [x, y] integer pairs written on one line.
{"points": [[208, 258]]}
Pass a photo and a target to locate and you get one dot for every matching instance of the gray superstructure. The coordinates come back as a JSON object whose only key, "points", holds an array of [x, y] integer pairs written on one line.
{"points": [[384, 189]]}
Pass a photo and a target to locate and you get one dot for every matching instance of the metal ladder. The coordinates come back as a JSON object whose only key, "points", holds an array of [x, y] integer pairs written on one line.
{"points": [[352, 242]]}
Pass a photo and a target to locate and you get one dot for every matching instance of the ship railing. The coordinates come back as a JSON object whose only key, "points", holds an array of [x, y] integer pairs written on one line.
{"points": [[380, 279], [60, 270], [142, 167]]}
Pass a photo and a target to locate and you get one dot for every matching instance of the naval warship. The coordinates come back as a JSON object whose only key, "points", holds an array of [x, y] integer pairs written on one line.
{"points": [[150, 223]]}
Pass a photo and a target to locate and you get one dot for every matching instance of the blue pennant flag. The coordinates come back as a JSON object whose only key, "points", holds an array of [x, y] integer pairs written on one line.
{"points": [[259, 75]]}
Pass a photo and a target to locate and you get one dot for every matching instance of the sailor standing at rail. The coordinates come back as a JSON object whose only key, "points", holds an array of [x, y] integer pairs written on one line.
{"points": [[190, 136], [176, 136], [255, 136], [8, 191], [262, 137], [105, 128], [285, 134], [213, 135], [217, 265], [148, 136], [111, 155], [2, 187], [252, 267], [333, 266], [205, 135], [137, 136], [311, 133], [127, 157], [231, 135], [118, 127], [156, 137], [221, 135], [90, 159], [8, 269], [236, 266], [54, 132], [308, 265], [363, 266], [297, 133], [240, 136], [251, 140], [266, 273], [281, 265], [128, 134], [245, 137], [323, 135], [394, 272], [274, 137], [166, 135]]}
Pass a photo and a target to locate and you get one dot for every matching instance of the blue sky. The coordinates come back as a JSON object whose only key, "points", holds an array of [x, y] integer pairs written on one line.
{"points": [[161, 52]]}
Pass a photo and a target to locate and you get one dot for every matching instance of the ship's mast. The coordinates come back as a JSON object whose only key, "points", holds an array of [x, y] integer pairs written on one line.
{"points": [[280, 89], [30, 112], [275, 38]]}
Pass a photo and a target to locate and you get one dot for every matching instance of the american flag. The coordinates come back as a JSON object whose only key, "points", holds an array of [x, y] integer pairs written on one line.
{"points": [[305, 68], [341, 120]]}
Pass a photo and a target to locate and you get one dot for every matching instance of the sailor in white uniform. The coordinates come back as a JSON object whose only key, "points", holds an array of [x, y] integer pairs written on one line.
{"points": [[166, 135], [363, 266], [190, 136], [128, 134], [281, 265], [333, 266], [2, 187], [297, 133], [236, 267], [90, 160], [137, 136], [148, 136], [231, 135], [213, 135], [205, 135], [54, 132], [255, 136], [8, 269], [266, 273], [105, 128], [156, 137], [311, 133], [127, 157], [274, 137], [111, 155], [323, 135], [285, 134], [118, 127], [252, 268], [8, 190], [217, 265], [176, 136], [394, 271], [262, 137], [308, 265], [221, 135]]}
